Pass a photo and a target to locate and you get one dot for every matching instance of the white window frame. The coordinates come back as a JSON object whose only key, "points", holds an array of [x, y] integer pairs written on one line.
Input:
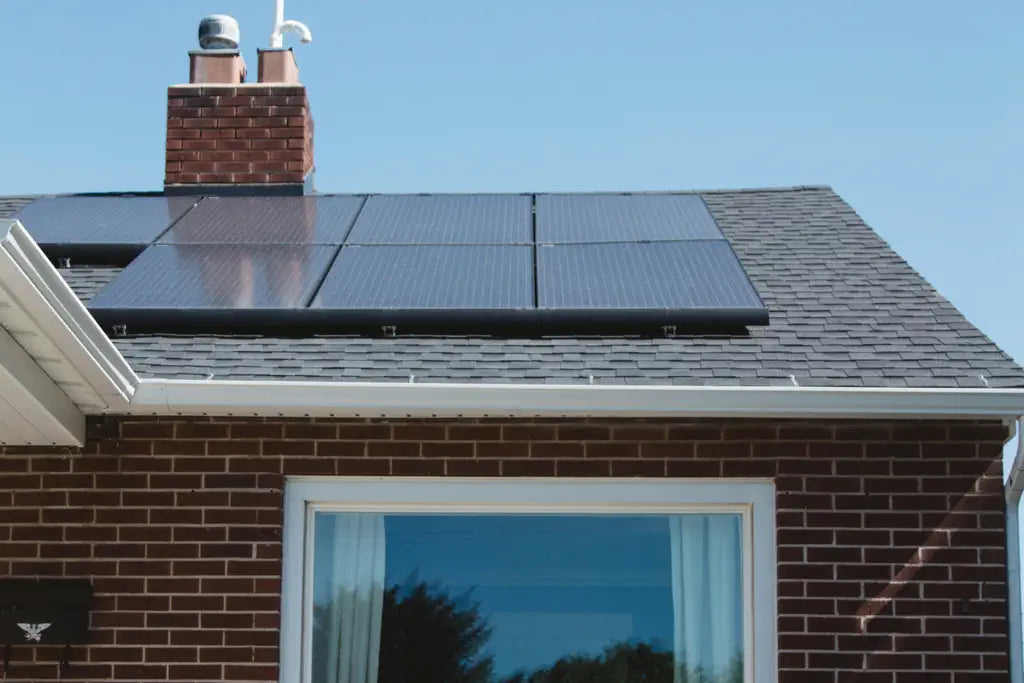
{"points": [[753, 499]]}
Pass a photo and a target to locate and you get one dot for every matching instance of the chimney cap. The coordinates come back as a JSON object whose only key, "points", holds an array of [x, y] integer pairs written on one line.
{"points": [[219, 32]]}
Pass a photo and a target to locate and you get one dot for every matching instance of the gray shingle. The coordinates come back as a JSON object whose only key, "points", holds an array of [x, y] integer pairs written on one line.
{"points": [[845, 311], [86, 282]]}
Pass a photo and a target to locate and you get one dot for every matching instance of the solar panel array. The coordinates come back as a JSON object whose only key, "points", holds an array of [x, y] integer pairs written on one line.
{"points": [[409, 260]]}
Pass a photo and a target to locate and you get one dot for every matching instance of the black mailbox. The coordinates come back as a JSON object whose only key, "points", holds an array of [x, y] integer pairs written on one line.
{"points": [[44, 612]]}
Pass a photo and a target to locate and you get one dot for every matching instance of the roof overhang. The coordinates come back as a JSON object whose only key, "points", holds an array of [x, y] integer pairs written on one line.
{"points": [[56, 364]]}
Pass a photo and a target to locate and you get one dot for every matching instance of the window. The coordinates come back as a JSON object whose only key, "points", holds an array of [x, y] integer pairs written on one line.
{"points": [[487, 581]]}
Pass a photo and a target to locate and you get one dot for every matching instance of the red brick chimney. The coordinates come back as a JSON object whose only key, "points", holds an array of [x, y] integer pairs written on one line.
{"points": [[227, 136]]}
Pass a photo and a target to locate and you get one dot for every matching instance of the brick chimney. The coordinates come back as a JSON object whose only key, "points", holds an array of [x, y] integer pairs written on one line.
{"points": [[226, 136]]}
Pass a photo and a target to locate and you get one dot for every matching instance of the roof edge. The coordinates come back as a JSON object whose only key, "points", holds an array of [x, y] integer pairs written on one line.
{"points": [[399, 400]]}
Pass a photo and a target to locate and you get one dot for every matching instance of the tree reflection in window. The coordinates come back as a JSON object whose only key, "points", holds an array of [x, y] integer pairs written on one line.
{"points": [[429, 636]]}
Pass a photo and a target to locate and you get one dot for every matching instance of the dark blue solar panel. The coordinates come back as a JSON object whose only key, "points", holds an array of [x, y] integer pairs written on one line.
{"points": [[229, 276], [101, 220], [663, 275], [444, 219], [588, 218], [267, 220], [429, 277]]}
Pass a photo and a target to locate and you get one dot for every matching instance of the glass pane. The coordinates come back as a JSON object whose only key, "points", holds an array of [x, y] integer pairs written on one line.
{"points": [[527, 599]]}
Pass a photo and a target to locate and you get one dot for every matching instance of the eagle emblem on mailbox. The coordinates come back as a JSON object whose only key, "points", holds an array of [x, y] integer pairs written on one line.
{"points": [[33, 632]]}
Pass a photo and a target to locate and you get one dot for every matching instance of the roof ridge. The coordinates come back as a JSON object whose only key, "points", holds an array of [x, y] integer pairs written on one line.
{"points": [[723, 190], [759, 190]]}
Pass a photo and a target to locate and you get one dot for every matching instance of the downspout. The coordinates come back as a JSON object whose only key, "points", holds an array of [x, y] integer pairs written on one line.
{"points": [[1013, 496]]}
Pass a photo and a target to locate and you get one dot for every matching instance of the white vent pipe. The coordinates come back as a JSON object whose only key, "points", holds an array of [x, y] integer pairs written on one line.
{"points": [[281, 26]]}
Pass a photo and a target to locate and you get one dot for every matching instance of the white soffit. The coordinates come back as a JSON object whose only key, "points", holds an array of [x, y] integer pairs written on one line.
{"points": [[50, 348], [33, 410]]}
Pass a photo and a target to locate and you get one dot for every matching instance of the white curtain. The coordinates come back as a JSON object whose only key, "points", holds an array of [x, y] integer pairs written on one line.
{"points": [[707, 596], [358, 589]]}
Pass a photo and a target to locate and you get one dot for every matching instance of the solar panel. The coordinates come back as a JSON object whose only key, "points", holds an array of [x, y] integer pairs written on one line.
{"points": [[689, 276], [232, 276], [429, 278], [346, 263], [68, 222], [267, 220], [444, 219], [588, 218]]}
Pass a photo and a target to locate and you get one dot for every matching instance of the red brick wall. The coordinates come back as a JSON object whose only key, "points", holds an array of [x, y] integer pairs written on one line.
{"points": [[247, 134], [178, 524]]}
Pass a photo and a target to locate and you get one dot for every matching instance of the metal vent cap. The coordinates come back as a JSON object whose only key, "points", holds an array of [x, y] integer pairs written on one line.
{"points": [[219, 32]]}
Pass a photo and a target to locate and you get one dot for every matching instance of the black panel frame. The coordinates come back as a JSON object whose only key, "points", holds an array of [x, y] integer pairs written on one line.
{"points": [[104, 255], [495, 322]]}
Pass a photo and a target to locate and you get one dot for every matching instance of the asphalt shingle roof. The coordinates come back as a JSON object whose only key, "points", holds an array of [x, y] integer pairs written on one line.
{"points": [[845, 311], [87, 282]]}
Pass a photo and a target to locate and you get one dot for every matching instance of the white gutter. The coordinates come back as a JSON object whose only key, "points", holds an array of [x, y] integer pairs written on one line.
{"points": [[394, 399]]}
